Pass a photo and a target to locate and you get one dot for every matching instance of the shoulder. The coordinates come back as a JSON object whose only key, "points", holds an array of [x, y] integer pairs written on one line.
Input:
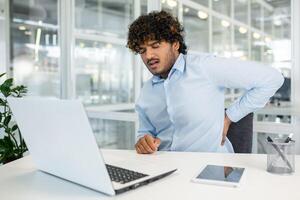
{"points": [[196, 57], [199, 62]]}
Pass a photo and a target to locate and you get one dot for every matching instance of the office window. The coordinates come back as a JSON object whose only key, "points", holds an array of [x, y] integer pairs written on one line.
{"points": [[113, 134], [104, 73], [240, 48], [195, 23], [268, 21], [241, 10], [3, 51], [202, 2], [223, 7], [268, 51], [143, 7], [34, 46], [256, 14], [256, 46], [170, 6], [221, 37], [105, 17], [275, 43]]}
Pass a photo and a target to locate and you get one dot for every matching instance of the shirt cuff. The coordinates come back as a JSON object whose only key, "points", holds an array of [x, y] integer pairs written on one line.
{"points": [[233, 114], [140, 135]]}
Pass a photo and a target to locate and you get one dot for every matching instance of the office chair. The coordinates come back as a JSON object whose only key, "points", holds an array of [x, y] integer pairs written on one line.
{"points": [[240, 134]]}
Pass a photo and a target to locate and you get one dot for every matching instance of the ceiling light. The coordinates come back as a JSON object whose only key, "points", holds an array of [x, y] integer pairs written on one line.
{"points": [[256, 35], [202, 15], [22, 28], [27, 33], [108, 46], [81, 45], [268, 39], [243, 30], [172, 3], [225, 23], [186, 10], [277, 22]]}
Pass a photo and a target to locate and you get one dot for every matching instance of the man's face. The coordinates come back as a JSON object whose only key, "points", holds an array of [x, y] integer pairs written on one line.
{"points": [[159, 57]]}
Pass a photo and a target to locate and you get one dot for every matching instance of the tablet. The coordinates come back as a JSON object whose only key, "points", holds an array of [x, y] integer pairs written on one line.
{"points": [[220, 175]]}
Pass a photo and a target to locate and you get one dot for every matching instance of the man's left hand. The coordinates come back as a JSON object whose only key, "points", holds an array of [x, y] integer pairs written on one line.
{"points": [[227, 123]]}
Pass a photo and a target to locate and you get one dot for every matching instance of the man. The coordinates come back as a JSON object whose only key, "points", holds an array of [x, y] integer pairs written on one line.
{"points": [[181, 108]]}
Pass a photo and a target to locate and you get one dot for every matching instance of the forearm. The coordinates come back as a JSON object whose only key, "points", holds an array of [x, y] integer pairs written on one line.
{"points": [[259, 81], [254, 98]]}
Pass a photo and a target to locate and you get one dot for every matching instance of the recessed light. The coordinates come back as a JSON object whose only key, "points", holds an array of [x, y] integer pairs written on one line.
{"points": [[202, 15], [225, 23], [256, 35], [243, 30], [22, 28]]}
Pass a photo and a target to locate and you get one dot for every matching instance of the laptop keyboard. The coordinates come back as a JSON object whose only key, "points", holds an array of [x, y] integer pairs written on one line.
{"points": [[121, 175]]}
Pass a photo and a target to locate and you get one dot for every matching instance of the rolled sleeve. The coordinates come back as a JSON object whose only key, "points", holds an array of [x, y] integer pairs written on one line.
{"points": [[260, 82]]}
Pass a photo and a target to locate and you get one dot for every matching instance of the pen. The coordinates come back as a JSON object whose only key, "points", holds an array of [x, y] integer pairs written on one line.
{"points": [[289, 138], [280, 153]]}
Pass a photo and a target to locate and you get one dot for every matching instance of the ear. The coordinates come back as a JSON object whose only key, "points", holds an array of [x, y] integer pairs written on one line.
{"points": [[176, 45]]}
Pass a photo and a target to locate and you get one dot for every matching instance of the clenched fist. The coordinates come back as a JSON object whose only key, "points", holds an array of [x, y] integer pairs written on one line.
{"points": [[147, 144]]}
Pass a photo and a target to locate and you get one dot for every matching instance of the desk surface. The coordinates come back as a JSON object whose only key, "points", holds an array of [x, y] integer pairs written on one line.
{"points": [[21, 180]]}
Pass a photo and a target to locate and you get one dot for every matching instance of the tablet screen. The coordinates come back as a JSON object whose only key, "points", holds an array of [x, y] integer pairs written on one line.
{"points": [[221, 173]]}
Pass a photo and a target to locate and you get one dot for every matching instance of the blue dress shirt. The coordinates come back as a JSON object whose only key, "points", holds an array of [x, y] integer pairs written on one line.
{"points": [[186, 110]]}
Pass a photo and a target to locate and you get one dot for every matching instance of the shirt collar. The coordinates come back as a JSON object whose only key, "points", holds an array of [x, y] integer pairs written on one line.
{"points": [[178, 65]]}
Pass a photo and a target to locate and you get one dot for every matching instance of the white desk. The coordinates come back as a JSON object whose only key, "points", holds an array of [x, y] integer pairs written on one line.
{"points": [[21, 180]]}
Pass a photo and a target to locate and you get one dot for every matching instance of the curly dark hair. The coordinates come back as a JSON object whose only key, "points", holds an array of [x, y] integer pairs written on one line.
{"points": [[160, 26]]}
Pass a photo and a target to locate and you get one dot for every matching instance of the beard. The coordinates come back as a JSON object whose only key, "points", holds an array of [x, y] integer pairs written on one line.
{"points": [[165, 66]]}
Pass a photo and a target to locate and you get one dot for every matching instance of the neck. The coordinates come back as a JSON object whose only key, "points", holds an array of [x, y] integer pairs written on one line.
{"points": [[165, 75]]}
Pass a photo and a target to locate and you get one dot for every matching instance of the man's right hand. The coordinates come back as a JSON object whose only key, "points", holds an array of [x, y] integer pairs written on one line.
{"points": [[147, 144]]}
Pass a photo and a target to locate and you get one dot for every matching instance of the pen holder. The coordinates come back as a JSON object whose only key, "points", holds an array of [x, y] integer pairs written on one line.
{"points": [[281, 156]]}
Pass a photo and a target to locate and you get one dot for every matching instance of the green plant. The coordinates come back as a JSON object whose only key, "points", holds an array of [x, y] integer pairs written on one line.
{"points": [[12, 145]]}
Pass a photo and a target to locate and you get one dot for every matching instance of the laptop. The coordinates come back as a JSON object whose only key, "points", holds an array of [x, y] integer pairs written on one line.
{"points": [[61, 142]]}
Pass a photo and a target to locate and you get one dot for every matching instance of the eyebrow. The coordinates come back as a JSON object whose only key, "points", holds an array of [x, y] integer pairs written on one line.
{"points": [[153, 42]]}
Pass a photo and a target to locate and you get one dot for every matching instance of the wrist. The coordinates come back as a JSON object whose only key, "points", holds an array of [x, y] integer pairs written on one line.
{"points": [[227, 119]]}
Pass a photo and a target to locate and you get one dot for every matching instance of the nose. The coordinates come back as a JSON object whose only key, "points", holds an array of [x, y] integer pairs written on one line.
{"points": [[149, 53]]}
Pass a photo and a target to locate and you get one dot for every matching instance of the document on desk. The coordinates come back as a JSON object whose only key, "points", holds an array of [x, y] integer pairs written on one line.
{"points": [[220, 175]]}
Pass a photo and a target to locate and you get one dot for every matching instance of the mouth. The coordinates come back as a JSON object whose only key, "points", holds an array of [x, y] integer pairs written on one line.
{"points": [[153, 64]]}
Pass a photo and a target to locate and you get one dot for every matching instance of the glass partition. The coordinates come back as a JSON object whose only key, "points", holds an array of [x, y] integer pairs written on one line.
{"points": [[202, 2], [221, 37], [170, 6], [240, 47], [113, 134], [256, 14], [104, 73], [241, 11], [223, 6], [104, 17], [34, 46], [256, 46], [195, 23]]}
